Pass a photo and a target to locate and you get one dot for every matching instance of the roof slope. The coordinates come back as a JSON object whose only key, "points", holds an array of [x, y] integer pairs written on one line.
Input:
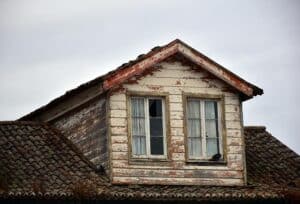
{"points": [[268, 160], [144, 61], [36, 160]]}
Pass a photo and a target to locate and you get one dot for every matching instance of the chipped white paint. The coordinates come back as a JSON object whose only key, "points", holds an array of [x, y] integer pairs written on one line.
{"points": [[175, 79]]}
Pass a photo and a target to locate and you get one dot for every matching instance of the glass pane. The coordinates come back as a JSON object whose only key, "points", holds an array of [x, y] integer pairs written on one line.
{"points": [[211, 128], [193, 109], [156, 127], [211, 110], [155, 107], [137, 107], [212, 146], [194, 147], [138, 126], [194, 128], [157, 147], [139, 145]]}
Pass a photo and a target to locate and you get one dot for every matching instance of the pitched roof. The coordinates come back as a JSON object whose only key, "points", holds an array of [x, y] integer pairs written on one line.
{"points": [[268, 160], [37, 161], [36, 158], [145, 61]]}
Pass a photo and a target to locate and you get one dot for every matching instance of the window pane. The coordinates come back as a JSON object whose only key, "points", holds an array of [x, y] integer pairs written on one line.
{"points": [[157, 147], [156, 127], [137, 107], [155, 107], [211, 128], [194, 146], [138, 126], [212, 146], [211, 110], [139, 145], [194, 128], [193, 109]]}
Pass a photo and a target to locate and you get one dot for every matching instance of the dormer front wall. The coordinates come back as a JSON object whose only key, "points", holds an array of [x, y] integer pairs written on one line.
{"points": [[175, 85]]}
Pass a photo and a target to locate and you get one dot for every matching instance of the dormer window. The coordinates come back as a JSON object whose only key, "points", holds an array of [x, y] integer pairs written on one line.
{"points": [[148, 127], [204, 135]]}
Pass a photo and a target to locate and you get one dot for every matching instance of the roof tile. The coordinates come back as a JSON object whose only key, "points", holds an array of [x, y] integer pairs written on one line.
{"points": [[37, 161]]}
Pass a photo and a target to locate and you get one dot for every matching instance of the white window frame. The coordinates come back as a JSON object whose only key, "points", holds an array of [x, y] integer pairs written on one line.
{"points": [[203, 155], [147, 128]]}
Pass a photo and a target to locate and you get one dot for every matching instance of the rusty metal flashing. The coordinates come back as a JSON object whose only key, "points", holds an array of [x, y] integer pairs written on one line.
{"points": [[139, 66]]}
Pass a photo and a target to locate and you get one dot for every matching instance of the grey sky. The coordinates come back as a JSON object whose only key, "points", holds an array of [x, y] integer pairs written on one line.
{"points": [[49, 47]]}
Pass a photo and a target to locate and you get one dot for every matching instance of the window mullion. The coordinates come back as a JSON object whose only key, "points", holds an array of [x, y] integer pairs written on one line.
{"points": [[203, 130]]}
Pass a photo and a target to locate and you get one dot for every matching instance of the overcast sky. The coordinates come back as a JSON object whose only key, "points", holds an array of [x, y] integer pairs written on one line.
{"points": [[49, 47]]}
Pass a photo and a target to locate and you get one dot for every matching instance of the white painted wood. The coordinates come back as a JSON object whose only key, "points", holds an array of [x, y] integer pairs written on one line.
{"points": [[175, 98], [178, 181], [119, 139], [118, 121], [118, 97], [117, 105], [176, 115], [119, 130], [176, 123], [175, 79], [118, 113], [119, 147], [176, 131], [119, 155], [176, 107]]}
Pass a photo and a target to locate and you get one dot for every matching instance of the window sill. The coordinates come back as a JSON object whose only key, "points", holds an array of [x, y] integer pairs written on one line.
{"points": [[152, 161], [206, 163]]}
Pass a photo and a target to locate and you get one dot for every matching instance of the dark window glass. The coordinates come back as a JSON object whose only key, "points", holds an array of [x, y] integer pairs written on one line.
{"points": [[157, 147], [156, 127], [155, 108]]}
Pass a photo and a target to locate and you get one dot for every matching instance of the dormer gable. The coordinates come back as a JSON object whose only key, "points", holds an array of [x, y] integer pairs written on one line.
{"points": [[172, 116], [179, 48]]}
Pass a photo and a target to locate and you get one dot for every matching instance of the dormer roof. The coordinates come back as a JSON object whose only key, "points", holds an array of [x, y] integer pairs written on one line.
{"points": [[144, 62]]}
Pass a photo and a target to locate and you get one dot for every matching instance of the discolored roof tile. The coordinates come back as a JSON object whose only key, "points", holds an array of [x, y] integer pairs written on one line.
{"points": [[37, 161]]}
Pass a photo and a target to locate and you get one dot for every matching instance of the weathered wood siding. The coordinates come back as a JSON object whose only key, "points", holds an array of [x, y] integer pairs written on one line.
{"points": [[175, 79], [86, 128]]}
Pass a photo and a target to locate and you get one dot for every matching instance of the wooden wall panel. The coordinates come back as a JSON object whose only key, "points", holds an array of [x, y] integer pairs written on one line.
{"points": [[175, 79]]}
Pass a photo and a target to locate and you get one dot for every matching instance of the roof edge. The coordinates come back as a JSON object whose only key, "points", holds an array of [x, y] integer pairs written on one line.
{"points": [[103, 78], [259, 127]]}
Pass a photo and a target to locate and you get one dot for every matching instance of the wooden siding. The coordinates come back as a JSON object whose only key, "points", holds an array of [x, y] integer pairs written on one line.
{"points": [[175, 80], [86, 128]]}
